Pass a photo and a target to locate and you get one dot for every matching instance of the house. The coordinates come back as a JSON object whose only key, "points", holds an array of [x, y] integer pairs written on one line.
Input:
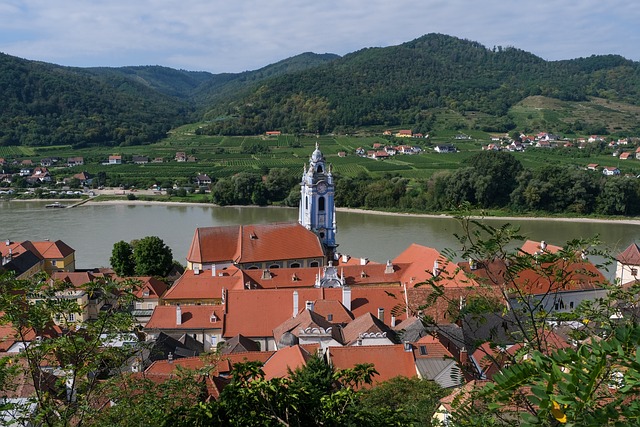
{"points": [[54, 256], [115, 160], [48, 161], [148, 294], [140, 160], [181, 156], [637, 154], [434, 362], [462, 136], [203, 180], [610, 171], [387, 133], [626, 155], [342, 154], [628, 265], [205, 323], [445, 149], [380, 155], [75, 161], [273, 133], [592, 166], [84, 178], [404, 133], [75, 289]]}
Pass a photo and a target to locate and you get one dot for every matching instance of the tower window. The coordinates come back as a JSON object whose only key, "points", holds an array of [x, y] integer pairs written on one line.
{"points": [[314, 264], [319, 170], [306, 202], [321, 204]]}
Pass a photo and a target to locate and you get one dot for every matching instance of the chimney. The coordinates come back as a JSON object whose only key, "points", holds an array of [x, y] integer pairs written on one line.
{"points": [[213, 270], [295, 303], [407, 346], [473, 265], [381, 314], [309, 305], [389, 268], [266, 274], [393, 321], [436, 268], [8, 242], [196, 271], [364, 261], [543, 245], [345, 258], [170, 357], [346, 297], [178, 315]]}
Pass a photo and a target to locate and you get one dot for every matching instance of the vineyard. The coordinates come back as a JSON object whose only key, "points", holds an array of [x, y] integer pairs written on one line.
{"points": [[223, 156]]}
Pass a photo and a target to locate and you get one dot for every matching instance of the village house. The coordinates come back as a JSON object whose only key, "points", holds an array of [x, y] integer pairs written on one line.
{"points": [[51, 256], [404, 133], [181, 156], [75, 161], [610, 171], [115, 160], [445, 149], [140, 160], [202, 179], [205, 323]]}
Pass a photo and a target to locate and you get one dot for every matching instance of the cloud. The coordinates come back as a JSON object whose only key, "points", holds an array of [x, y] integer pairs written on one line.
{"points": [[225, 36]]}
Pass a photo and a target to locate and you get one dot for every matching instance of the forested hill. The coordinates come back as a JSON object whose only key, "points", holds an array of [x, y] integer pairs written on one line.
{"points": [[417, 83], [433, 82], [47, 104]]}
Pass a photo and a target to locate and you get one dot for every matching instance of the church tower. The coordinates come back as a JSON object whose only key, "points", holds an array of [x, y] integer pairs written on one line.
{"points": [[317, 207]]}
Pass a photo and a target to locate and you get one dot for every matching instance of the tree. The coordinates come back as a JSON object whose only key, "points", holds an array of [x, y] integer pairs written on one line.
{"points": [[595, 383], [152, 257], [122, 259], [75, 354]]}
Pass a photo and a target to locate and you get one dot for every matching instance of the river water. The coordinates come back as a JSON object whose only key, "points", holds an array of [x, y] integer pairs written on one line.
{"points": [[93, 229]]}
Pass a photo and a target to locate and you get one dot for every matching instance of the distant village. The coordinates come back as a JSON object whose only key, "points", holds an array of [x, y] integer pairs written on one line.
{"points": [[279, 293]]}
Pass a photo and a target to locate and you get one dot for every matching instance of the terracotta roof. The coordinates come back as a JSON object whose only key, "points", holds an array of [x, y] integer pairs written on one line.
{"points": [[389, 360], [305, 319], [214, 244], [193, 317], [254, 243], [155, 287], [203, 286], [364, 324], [265, 242], [338, 312], [223, 364], [531, 247], [433, 348], [239, 344], [282, 278], [76, 278], [630, 256], [285, 360], [422, 260]]}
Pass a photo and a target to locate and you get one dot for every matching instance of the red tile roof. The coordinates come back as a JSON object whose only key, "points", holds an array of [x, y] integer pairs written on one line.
{"points": [[43, 249], [222, 365], [285, 360], [365, 324], [305, 319], [254, 243], [389, 360], [433, 348], [193, 317], [203, 286], [531, 247], [422, 260], [153, 286], [630, 256]]}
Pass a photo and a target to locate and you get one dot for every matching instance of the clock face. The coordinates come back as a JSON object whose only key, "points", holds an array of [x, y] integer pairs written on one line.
{"points": [[322, 187]]}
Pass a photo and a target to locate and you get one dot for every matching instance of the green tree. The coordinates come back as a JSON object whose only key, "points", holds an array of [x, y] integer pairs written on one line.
{"points": [[77, 352], [152, 257], [122, 260]]}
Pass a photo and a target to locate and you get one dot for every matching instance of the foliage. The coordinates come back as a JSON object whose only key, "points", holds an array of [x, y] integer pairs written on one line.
{"points": [[122, 260], [415, 398], [544, 383], [152, 257], [312, 395], [76, 352]]}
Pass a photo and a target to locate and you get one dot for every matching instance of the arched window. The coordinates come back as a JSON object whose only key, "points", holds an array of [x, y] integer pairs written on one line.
{"points": [[306, 202], [319, 170], [253, 267], [314, 264], [321, 204], [295, 265], [272, 266]]}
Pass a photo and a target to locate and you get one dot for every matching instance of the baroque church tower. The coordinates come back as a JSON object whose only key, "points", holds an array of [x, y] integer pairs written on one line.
{"points": [[317, 207]]}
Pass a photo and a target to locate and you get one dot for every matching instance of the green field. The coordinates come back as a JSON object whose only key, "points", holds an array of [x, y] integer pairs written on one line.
{"points": [[222, 156]]}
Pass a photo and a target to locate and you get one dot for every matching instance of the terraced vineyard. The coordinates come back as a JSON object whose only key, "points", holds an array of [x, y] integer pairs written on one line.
{"points": [[222, 156]]}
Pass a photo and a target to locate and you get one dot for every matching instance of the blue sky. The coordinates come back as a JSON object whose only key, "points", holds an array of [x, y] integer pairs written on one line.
{"points": [[237, 35]]}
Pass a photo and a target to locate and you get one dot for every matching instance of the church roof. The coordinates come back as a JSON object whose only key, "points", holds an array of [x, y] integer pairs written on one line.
{"points": [[254, 243]]}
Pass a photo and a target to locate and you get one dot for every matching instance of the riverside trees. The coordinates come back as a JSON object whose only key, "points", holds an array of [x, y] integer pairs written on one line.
{"points": [[149, 256]]}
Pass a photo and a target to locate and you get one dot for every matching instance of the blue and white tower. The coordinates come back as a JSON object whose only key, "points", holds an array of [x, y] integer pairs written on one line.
{"points": [[317, 206]]}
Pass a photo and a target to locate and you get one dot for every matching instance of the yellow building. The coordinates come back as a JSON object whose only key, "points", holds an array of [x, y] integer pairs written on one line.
{"points": [[28, 258]]}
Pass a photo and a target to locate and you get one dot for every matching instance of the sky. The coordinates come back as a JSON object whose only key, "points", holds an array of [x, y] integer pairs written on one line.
{"points": [[237, 35]]}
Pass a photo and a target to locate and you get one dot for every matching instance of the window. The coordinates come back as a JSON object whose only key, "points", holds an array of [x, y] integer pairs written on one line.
{"points": [[314, 264], [321, 204], [306, 202], [423, 350], [274, 266], [330, 317], [72, 317], [319, 170], [571, 304], [294, 265], [634, 271], [149, 306]]}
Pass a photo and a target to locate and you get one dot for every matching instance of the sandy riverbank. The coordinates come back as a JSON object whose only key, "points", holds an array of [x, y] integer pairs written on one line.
{"points": [[630, 221]]}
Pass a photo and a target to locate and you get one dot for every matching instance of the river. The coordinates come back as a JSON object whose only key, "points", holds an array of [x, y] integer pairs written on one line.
{"points": [[93, 229]]}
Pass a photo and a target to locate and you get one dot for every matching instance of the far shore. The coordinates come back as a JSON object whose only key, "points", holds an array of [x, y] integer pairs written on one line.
{"points": [[630, 221]]}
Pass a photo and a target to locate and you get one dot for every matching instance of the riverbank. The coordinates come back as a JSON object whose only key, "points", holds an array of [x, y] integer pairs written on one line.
{"points": [[629, 221]]}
